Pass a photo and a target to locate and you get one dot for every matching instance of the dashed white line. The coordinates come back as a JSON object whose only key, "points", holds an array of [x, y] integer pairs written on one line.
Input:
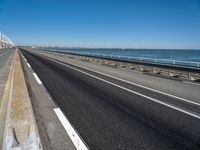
{"points": [[134, 92], [28, 65], [37, 78], [79, 144]]}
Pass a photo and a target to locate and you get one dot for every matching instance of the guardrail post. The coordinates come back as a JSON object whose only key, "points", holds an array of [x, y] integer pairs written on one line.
{"points": [[140, 67], [188, 74], [169, 71]]}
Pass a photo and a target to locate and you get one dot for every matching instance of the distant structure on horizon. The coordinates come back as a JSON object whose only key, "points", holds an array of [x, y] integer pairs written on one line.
{"points": [[5, 42]]}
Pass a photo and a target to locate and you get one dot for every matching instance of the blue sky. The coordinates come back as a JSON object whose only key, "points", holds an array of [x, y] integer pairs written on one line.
{"points": [[103, 23]]}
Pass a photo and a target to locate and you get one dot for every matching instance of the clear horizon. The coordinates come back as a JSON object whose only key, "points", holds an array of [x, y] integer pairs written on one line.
{"points": [[77, 47], [173, 24]]}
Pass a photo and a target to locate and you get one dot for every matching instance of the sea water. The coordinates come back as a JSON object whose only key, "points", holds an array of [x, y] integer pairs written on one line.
{"points": [[169, 54]]}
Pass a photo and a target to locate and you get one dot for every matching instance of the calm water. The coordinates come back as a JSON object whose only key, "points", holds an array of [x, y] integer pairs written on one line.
{"points": [[183, 55]]}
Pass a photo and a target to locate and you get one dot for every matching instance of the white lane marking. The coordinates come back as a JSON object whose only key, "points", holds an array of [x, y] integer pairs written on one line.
{"points": [[134, 92], [28, 65], [191, 83], [139, 85], [79, 144], [23, 57], [37, 78]]}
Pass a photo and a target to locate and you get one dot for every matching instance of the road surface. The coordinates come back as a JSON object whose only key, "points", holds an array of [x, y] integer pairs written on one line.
{"points": [[5, 64], [4, 56], [113, 114]]}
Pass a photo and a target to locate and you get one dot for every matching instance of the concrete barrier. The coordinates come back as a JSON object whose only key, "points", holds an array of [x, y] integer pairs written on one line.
{"points": [[20, 131]]}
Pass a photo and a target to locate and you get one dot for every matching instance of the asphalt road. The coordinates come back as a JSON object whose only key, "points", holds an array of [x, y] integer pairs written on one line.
{"points": [[5, 65], [4, 55], [108, 116]]}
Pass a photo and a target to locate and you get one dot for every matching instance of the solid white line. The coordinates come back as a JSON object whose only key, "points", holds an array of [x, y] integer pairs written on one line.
{"points": [[134, 92], [79, 144], [28, 65], [37, 78], [191, 83], [139, 85]]}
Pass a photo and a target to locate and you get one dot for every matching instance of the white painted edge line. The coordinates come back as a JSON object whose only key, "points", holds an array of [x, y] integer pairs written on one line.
{"points": [[23, 57], [134, 92], [191, 83], [37, 78], [139, 85], [28, 65], [79, 144]]}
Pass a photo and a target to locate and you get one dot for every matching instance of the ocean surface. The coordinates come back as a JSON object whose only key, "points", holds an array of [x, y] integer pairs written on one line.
{"points": [[178, 55]]}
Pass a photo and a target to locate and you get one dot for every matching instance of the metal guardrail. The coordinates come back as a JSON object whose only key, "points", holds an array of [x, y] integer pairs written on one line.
{"points": [[139, 59], [170, 68]]}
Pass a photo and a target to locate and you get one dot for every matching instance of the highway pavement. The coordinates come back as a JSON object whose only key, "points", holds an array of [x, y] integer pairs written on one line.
{"points": [[112, 114], [4, 56], [5, 63]]}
